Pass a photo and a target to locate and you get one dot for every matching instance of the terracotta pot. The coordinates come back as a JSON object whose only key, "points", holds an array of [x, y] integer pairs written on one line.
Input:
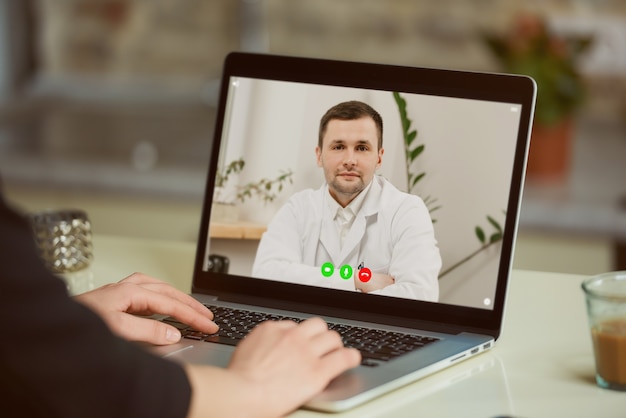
{"points": [[550, 151]]}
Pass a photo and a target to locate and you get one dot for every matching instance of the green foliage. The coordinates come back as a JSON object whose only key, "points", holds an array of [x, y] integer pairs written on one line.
{"points": [[412, 150], [234, 167], [494, 237], [265, 189]]}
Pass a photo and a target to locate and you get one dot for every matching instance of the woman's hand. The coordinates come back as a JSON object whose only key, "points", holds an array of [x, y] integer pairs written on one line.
{"points": [[119, 304], [278, 367]]}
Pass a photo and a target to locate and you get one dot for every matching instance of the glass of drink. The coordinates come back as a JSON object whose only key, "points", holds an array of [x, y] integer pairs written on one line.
{"points": [[606, 309]]}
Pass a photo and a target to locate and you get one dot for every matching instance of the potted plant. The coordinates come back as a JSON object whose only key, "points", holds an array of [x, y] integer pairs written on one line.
{"points": [[530, 48], [228, 193]]}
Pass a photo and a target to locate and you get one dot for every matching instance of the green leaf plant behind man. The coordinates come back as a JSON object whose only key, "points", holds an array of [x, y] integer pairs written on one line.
{"points": [[412, 150]]}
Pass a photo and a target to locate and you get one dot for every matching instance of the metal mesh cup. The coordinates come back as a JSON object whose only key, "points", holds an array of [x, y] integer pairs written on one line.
{"points": [[64, 239]]}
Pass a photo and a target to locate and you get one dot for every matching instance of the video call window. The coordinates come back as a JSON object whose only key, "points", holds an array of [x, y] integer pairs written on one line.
{"points": [[467, 159]]}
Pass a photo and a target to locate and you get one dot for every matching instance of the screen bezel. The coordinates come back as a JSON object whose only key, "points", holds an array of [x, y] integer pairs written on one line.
{"points": [[322, 301]]}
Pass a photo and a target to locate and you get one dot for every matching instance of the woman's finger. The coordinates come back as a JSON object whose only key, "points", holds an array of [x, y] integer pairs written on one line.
{"points": [[148, 301], [134, 328], [167, 290]]}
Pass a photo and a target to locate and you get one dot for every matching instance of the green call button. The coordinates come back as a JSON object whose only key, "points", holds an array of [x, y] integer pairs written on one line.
{"points": [[328, 269], [346, 272]]}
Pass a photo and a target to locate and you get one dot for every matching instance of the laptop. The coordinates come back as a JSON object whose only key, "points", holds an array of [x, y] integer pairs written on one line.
{"points": [[456, 139]]}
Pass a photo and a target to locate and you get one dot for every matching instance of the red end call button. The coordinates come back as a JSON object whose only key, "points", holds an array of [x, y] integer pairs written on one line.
{"points": [[365, 274]]}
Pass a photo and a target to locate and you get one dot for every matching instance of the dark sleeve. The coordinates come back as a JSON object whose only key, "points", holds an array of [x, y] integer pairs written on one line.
{"points": [[59, 359]]}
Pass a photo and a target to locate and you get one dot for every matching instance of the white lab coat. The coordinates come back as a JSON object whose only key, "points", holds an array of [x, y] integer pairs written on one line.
{"points": [[392, 234]]}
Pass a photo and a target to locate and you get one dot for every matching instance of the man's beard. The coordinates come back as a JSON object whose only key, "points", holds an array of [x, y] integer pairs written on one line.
{"points": [[351, 189]]}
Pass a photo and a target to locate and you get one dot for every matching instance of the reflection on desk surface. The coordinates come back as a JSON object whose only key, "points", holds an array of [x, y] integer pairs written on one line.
{"points": [[485, 395]]}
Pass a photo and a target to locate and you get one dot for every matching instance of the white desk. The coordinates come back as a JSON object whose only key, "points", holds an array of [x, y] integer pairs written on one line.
{"points": [[542, 366]]}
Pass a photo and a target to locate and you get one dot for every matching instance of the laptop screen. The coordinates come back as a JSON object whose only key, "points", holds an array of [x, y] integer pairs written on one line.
{"points": [[429, 208]]}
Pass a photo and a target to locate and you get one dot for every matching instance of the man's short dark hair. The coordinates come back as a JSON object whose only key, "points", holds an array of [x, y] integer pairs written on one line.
{"points": [[351, 110]]}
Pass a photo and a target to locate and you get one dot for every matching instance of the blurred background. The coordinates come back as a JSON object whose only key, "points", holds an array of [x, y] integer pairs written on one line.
{"points": [[108, 105]]}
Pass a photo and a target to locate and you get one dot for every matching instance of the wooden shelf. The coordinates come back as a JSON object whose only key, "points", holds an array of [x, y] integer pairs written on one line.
{"points": [[236, 230]]}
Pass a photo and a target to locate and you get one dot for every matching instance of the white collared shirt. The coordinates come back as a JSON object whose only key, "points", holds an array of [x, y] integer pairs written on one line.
{"points": [[344, 217]]}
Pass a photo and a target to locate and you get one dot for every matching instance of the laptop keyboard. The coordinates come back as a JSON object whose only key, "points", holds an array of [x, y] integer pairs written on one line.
{"points": [[375, 345]]}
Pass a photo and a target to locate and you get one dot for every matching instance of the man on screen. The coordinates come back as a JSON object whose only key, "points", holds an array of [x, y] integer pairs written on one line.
{"points": [[357, 232]]}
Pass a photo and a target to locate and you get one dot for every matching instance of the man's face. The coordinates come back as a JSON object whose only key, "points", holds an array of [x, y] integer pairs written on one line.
{"points": [[349, 157]]}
